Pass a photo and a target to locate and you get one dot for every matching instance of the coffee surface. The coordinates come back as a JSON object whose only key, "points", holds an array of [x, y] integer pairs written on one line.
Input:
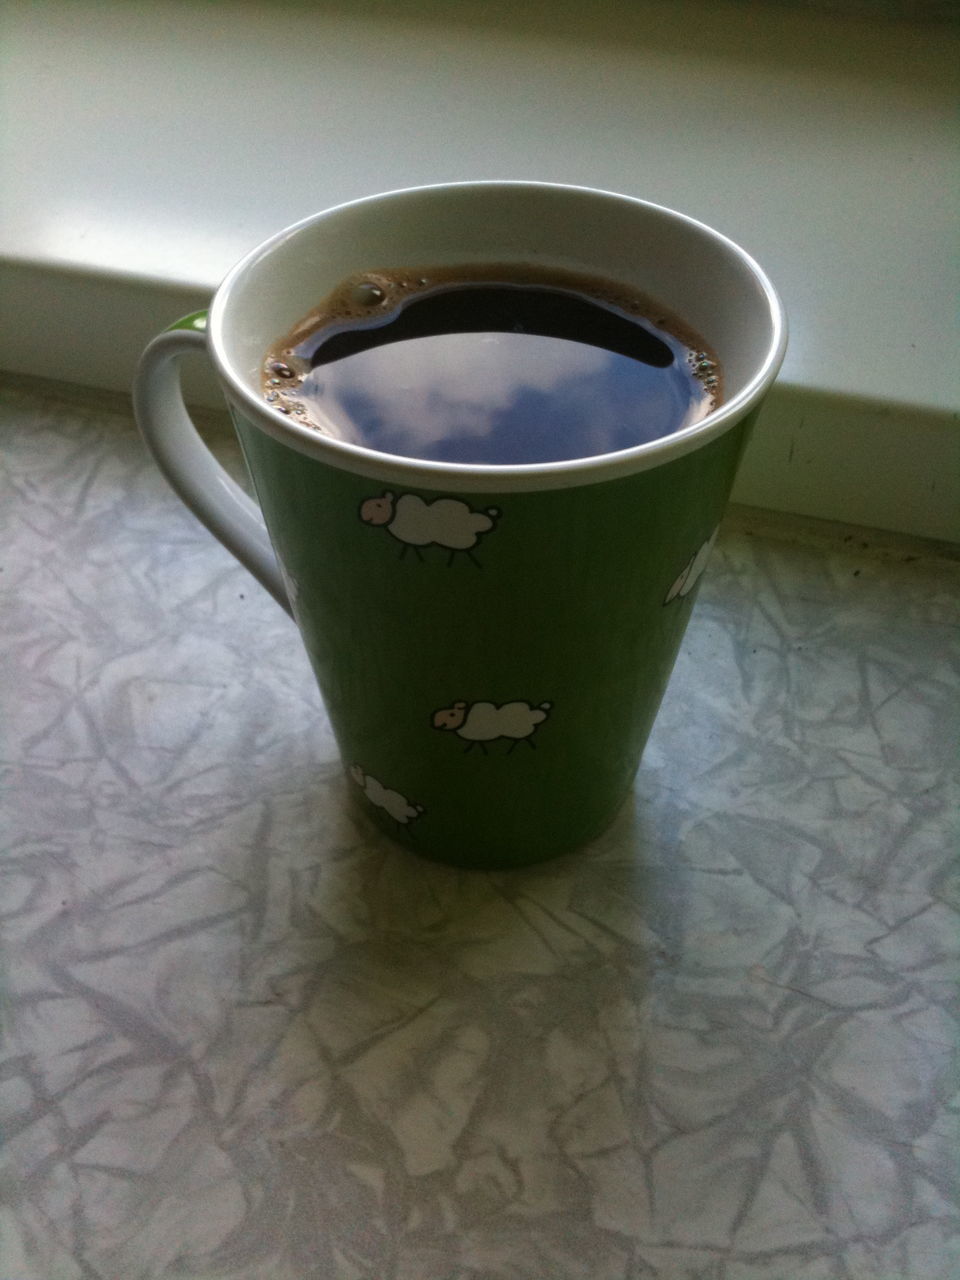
{"points": [[491, 365]]}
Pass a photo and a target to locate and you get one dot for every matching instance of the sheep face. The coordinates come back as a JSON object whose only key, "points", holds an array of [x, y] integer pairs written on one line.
{"points": [[450, 717], [377, 511]]}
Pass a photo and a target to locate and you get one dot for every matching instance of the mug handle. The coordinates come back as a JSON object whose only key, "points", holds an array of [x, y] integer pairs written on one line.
{"points": [[193, 472]]}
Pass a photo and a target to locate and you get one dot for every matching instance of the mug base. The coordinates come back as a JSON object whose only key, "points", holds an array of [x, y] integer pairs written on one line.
{"points": [[502, 857]]}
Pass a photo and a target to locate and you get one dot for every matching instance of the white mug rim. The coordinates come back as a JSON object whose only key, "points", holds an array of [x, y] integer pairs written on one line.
{"points": [[425, 474]]}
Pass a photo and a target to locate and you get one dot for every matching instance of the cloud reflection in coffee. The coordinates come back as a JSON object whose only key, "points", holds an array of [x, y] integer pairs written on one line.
{"points": [[492, 365]]}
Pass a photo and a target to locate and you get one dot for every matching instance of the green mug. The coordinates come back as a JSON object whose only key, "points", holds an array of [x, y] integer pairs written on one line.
{"points": [[492, 642]]}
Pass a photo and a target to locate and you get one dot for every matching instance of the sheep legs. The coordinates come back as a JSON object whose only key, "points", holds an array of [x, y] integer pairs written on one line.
{"points": [[470, 556]]}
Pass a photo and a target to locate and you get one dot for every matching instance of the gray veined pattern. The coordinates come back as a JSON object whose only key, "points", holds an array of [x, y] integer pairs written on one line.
{"points": [[248, 1036]]}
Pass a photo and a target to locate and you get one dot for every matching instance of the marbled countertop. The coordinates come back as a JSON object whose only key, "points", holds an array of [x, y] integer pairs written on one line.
{"points": [[248, 1037]]}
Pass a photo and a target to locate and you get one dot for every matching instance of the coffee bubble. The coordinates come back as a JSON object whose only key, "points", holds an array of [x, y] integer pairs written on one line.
{"points": [[366, 294]]}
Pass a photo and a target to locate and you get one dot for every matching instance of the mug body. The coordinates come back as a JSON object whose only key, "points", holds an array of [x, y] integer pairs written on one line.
{"points": [[492, 643]]}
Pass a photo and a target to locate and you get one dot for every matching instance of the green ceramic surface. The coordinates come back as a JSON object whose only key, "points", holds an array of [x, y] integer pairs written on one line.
{"points": [[427, 614]]}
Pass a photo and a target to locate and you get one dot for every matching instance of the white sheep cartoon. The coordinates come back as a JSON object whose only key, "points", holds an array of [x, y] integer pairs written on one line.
{"points": [[398, 807], [444, 522], [483, 722], [692, 570]]}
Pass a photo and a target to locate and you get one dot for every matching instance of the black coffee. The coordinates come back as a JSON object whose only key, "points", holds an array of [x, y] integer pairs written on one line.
{"points": [[492, 365]]}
